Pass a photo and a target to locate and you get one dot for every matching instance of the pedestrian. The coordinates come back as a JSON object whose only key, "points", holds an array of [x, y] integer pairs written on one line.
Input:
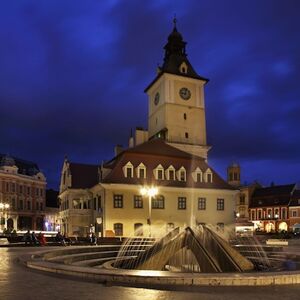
{"points": [[34, 238], [41, 238], [27, 238]]}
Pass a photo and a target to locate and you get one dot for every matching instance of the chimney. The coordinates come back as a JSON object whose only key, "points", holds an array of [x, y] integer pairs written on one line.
{"points": [[118, 149]]}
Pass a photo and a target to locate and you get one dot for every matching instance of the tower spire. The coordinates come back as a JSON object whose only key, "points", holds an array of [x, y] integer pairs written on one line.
{"points": [[175, 21]]}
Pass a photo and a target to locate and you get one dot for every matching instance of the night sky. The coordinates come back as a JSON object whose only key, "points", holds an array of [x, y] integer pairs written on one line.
{"points": [[72, 75]]}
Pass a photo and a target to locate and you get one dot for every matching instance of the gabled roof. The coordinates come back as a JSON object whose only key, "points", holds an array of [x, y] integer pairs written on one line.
{"points": [[295, 201], [272, 196], [25, 167], [157, 152], [83, 175]]}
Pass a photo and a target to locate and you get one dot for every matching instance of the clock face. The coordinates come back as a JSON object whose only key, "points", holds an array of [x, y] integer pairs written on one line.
{"points": [[185, 93], [156, 98]]}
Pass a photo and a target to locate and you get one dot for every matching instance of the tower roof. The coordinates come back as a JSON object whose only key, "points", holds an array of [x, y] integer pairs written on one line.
{"points": [[175, 56]]}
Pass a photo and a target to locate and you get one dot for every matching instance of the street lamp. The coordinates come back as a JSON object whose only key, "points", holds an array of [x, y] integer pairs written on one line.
{"points": [[3, 207], [150, 192]]}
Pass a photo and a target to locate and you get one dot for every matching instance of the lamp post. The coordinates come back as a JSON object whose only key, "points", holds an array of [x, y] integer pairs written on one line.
{"points": [[3, 207], [150, 192]]}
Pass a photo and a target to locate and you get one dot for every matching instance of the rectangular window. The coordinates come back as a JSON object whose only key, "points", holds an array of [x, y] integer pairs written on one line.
{"points": [[13, 187], [37, 206], [242, 199], [37, 192], [41, 206], [20, 189], [28, 205], [158, 202], [259, 215], [171, 175], [159, 174], [129, 172], [118, 229], [28, 190], [100, 203], [142, 173], [252, 215], [182, 176], [220, 204], [137, 201], [294, 213], [118, 201], [283, 216], [199, 177], [21, 204], [209, 178], [95, 203], [201, 203], [181, 203]]}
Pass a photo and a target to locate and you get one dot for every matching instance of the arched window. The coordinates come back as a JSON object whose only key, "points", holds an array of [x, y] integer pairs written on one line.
{"points": [[118, 229]]}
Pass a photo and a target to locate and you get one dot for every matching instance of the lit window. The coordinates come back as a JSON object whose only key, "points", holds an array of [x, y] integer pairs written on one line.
{"points": [[158, 202], [201, 203], [118, 229], [181, 203], [118, 201], [220, 204], [137, 201]]}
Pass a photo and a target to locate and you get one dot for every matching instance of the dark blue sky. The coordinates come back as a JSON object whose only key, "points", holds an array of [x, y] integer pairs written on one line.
{"points": [[72, 75]]}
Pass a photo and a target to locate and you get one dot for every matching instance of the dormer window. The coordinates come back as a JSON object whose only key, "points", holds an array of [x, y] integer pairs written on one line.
{"points": [[159, 172], [128, 170], [197, 175], [181, 174], [208, 176], [141, 171], [170, 173], [183, 68]]}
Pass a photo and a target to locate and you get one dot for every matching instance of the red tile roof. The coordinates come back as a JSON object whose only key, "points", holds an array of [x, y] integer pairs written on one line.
{"points": [[83, 175], [153, 153], [272, 196]]}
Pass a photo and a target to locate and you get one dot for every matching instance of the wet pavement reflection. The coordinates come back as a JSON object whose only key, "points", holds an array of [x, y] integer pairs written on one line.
{"points": [[18, 282]]}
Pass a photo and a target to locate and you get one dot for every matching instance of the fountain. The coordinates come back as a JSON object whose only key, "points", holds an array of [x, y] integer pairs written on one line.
{"points": [[192, 250]]}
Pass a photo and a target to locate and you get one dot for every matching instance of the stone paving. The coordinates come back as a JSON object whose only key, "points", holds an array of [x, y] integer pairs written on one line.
{"points": [[18, 282]]}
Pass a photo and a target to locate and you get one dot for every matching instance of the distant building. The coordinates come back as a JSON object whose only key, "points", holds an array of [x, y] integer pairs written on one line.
{"points": [[271, 207], [23, 187], [294, 210]]}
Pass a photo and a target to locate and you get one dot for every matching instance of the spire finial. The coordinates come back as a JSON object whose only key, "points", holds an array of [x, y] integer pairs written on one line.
{"points": [[174, 21]]}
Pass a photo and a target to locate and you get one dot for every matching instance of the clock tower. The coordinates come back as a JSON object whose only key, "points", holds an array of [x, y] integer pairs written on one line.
{"points": [[176, 100]]}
